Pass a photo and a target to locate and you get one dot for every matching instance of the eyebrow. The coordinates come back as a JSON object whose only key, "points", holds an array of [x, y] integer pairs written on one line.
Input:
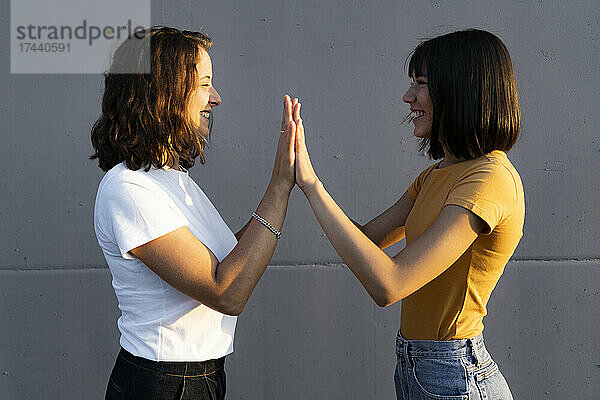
{"points": [[207, 76]]}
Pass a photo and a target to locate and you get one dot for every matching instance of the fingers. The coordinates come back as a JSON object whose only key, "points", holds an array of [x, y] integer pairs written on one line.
{"points": [[296, 110], [299, 136], [286, 118], [299, 125], [300, 129], [291, 109], [291, 141], [288, 112], [288, 138]]}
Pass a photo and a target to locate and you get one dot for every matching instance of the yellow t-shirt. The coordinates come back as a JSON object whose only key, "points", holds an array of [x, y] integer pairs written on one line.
{"points": [[453, 305]]}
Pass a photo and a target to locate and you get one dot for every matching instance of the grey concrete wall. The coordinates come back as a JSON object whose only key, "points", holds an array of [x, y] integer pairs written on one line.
{"points": [[308, 332], [311, 331]]}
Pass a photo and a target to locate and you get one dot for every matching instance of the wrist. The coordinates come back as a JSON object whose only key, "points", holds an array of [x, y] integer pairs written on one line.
{"points": [[279, 188], [312, 188]]}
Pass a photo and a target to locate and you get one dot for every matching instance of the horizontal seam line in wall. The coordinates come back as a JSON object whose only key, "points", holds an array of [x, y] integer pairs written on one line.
{"points": [[308, 265], [513, 261], [524, 260], [85, 268]]}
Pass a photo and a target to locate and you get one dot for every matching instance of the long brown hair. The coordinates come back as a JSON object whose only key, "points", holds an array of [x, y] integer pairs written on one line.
{"points": [[473, 91], [144, 119]]}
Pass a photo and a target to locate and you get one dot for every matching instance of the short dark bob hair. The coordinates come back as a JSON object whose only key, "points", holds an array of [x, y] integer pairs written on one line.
{"points": [[144, 119], [473, 91]]}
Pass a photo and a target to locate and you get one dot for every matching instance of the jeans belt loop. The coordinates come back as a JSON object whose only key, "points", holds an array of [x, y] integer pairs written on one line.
{"points": [[474, 351], [405, 350]]}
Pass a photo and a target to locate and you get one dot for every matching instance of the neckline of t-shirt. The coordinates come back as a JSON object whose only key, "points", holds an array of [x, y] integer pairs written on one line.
{"points": [[167, 169], [435, 168]]}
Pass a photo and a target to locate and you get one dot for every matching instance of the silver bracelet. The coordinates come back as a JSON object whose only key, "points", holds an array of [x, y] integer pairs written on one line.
{"points": [[267, 224]]}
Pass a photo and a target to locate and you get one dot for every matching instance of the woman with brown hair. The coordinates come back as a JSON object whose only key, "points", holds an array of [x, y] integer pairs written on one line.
{"points": [[180, 275], [462, 218]]}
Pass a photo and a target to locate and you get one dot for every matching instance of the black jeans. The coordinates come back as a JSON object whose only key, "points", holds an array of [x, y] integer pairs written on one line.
{"points": [[134, 378]]}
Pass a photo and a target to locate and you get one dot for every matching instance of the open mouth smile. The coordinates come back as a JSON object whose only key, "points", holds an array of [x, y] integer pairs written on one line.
{"points": [[416, 114]]}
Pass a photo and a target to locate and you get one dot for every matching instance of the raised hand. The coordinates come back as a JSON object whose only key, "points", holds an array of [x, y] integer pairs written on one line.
{"points": [[283, 169], [305, 174]]}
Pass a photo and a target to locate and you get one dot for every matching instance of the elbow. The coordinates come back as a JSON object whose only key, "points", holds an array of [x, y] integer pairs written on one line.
{"points": [[382, 302], [385, 299], [230, 306], [220, 303], [233, 311]]}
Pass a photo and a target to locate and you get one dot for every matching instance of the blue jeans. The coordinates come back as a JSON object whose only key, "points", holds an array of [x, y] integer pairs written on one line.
{"points": [[447, 370], [134, 378]]}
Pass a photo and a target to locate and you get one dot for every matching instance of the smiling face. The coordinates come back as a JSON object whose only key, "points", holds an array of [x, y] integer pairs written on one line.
{"points": [[421, 107], [204, 97]]}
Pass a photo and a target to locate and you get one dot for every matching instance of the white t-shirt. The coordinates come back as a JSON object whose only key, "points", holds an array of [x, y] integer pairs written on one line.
{"points": [[157, 321]]}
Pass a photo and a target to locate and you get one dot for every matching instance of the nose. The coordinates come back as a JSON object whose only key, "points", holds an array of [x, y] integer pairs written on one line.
{"points": [[409, 96], [214, 99]]}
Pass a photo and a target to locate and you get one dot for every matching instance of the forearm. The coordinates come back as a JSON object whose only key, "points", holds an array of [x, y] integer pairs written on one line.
{"points": [[359, 226], [389, 239], [238, 235], [376, 271], [381, 241], [239, 272]]}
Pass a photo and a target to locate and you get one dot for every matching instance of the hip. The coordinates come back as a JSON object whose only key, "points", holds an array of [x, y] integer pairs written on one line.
{"points": [[447, 370], [135, 377]]}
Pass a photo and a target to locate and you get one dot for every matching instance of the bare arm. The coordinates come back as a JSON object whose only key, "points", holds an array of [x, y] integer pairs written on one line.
{"points": [[238, 235], [189, 266], [388, 227], [386, 279], [389, 279]]}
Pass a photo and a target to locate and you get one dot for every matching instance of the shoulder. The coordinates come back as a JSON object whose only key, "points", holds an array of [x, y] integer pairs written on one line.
{"points": [[492, 169], [119, 180], [128, 198], [121, 190], [490, 187]]}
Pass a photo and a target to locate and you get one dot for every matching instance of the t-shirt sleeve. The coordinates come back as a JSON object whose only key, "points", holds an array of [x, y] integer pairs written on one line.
{"points": [[488, 191], [415, 187], [134, 213]]}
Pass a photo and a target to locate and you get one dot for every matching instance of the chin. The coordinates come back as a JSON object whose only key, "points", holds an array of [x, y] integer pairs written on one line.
{"points": [[202, 134], [202, 130], [421, 135]]}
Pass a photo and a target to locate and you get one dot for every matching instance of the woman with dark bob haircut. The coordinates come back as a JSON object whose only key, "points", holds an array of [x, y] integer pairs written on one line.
{"points": [[462, 218], [180, 275]]}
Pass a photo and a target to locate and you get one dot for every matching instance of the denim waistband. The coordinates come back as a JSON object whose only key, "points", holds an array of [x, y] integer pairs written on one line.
{"points": [[179, 368], [474, 347]]}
